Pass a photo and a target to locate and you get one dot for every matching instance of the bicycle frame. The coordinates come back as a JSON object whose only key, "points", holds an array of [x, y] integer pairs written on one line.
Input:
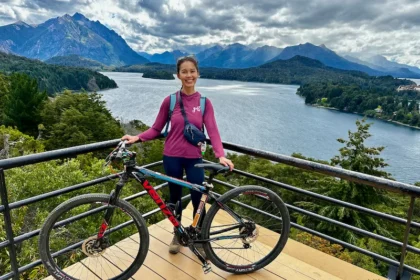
{"points": [[158, 200], [140, 175]]}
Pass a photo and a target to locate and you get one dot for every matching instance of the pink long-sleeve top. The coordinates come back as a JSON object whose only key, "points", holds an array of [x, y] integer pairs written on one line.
{"points": [[175, 144]]}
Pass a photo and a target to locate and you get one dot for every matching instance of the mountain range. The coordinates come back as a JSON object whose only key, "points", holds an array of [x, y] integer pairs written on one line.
{"points": [[242, 56], [68, 35], [380, 63], [77, 35]]}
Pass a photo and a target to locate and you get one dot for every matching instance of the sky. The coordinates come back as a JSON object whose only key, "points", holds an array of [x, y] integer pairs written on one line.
{"points": [[388, 27]]}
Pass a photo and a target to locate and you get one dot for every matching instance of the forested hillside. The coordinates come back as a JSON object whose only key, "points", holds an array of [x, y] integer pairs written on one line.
{"points": [[55, 78]]}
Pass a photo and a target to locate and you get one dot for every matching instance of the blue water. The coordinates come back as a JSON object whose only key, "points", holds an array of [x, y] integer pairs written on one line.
{"points": [[270, 117]]}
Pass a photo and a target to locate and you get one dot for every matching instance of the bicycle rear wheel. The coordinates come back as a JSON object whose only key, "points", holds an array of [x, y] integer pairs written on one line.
{"points": [[68, 236], [243, 248]]}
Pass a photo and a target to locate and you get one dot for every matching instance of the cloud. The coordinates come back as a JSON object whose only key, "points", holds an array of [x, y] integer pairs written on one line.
{"points": [[386, 27]]}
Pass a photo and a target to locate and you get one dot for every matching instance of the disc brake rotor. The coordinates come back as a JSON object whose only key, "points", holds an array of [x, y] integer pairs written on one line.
{"points": [[252, 232], [89, 248]]}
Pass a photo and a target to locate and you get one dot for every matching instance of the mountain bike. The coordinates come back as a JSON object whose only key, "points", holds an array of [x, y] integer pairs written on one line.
{"points": [[99, 236]]}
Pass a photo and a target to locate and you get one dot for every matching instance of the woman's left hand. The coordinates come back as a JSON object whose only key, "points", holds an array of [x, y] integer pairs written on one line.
{"points": [[226, 162]]}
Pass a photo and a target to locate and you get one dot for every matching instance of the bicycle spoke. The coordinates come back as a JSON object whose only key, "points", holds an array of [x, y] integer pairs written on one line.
{"points": [[106, 262], [262, 229]]}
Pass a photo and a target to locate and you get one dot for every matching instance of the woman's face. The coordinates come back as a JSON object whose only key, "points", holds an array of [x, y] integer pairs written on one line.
{"points": [[188, 74]]}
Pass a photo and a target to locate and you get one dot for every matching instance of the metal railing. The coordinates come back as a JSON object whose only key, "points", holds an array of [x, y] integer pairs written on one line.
{"points": [[376, 182]]}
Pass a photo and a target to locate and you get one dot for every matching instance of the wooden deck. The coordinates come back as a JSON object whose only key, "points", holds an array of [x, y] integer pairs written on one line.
{"points": [[296, 262]]}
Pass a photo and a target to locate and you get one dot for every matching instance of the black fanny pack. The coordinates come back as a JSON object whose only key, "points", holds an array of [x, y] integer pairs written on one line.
{"points": [[194, 135]]}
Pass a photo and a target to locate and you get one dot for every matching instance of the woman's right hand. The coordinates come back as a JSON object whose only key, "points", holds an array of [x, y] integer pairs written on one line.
{"points": [[130, 139]]}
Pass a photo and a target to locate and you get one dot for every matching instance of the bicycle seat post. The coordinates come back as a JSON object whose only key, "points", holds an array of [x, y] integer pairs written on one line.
{"points": [[210, 179]]}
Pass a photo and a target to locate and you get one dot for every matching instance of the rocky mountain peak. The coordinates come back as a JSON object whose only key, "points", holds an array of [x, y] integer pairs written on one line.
{"points": [[79, 16]]}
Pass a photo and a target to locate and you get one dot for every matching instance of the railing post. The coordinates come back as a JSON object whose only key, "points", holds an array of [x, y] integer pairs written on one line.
{"points": [[405, 241], [8, 225]]}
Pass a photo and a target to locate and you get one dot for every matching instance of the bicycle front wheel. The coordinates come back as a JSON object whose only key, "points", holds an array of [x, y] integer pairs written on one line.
{"points": [[68, 242], [243, 247]]}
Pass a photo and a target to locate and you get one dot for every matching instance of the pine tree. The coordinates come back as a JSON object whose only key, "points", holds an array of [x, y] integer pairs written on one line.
{"points": [[353, 156], [23, 104], [4, 89]]}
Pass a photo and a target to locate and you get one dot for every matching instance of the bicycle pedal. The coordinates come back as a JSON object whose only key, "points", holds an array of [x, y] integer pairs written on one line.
{"points": [[206, 268]]}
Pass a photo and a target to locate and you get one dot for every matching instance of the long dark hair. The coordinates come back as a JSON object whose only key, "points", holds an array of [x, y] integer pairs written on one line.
{"points": [[186, 58]]}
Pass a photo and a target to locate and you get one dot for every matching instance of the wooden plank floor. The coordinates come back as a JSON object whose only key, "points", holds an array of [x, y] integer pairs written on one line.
{"points": [[160, 264]]}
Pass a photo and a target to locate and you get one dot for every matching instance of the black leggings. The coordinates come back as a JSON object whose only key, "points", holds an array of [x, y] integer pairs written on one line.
{"points": [[174, 167]]}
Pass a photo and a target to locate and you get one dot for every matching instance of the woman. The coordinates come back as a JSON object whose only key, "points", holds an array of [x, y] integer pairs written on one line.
{"points": [[179, 154]]}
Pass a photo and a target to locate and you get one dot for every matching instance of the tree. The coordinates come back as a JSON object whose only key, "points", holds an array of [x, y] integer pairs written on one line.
{"points": [[404, 103], [415, 120], [23, 104], [412, 107], [76, 119], [4, 89], [55, 78], [20, 144], [357, 157], [35, 179]]}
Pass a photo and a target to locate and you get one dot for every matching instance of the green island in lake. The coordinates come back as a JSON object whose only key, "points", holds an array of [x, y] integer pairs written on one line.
{"points": [[158, 74]]}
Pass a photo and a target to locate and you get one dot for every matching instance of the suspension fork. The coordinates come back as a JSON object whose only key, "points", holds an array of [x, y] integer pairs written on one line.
{"points": [[110, 210]]}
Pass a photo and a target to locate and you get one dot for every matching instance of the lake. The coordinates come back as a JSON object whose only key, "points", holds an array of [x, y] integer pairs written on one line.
{"points": [[269, 117]]}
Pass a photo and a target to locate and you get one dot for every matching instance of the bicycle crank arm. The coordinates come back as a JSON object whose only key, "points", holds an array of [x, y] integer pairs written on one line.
{"points": [[206, 265]]}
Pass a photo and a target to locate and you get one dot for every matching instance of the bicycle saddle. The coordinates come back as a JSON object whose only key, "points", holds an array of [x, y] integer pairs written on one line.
{"points": [[216, 167]]}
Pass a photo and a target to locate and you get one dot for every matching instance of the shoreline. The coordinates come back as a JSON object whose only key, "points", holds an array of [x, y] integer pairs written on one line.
{"points": [[356, 113], [313, 105]]}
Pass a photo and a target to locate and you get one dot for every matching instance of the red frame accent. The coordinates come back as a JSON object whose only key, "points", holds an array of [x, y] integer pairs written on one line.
{"points": [[153, 194], [102, 229]]}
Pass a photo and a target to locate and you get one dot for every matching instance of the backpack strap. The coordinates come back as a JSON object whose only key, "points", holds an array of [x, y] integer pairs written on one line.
{"points": [[202, 104], [171, 109], [203, 108]]}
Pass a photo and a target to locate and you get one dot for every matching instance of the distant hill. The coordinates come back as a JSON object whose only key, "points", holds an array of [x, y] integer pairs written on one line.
{"points": [[386, 66], [145, 55], [55, 78], [260, 56], [66, 35], [360, 61], [300, 70], [236, 56], [165, 57], [380, 63], [241, 56], [385, 63], [141, 68], [232, 56], [326, 56], [204, 54], [229, 57], [297, 70], [158, 74], [76, 61]]}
